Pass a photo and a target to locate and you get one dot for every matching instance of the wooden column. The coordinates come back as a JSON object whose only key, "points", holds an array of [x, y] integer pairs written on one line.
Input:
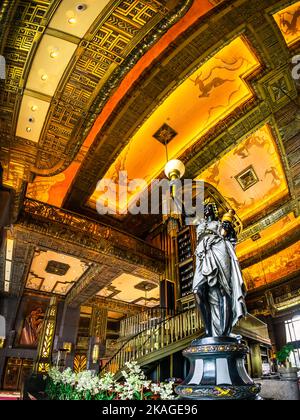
{"points": [[45, 346], [98, 329]]}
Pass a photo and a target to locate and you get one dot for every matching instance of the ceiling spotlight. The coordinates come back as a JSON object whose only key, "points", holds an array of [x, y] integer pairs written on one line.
{"points": [[28, 129], [72, 21], [34, 108], [54, 54], [44, 77]]}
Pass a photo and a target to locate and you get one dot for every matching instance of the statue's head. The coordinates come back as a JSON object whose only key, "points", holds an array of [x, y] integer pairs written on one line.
{"points": [[211, 212]]}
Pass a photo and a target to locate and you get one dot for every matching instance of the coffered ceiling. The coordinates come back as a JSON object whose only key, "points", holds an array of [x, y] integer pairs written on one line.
{"points": [[60, 54], [251, 176], [91, 92], [132, 289], [51, 272]]}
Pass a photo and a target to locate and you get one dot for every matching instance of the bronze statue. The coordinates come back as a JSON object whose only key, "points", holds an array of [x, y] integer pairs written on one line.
{"points": [[218, 283]]}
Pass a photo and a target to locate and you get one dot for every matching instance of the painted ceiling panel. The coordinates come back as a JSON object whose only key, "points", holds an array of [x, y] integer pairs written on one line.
{"points": [[199, 103], [54, 189], [250, 177], [128, 288], [275, 268], [54, 273], [265, 238], [288, 21]]}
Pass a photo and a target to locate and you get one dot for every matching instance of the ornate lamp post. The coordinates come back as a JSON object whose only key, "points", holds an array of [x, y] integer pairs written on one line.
{"points": [[174, 171]]}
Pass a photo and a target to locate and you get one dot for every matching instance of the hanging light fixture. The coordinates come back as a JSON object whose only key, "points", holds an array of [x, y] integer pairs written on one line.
{"points": [[174, 171]]}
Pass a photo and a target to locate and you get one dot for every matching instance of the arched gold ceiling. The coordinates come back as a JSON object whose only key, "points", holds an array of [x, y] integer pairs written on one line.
{"points": [[42, 188], [59, 60], [227, 112], [209, 95]]}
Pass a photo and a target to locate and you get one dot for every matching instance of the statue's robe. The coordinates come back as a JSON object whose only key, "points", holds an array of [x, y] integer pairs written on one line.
{"points": [[217, 266]]}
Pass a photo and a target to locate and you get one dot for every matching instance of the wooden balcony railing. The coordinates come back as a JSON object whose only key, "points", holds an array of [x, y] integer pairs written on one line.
{"points": [[143, 321], [172, 335], [151, 341]]}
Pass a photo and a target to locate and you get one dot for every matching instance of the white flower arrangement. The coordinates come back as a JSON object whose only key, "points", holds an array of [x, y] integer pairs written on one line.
{"points": [[135, 385]]}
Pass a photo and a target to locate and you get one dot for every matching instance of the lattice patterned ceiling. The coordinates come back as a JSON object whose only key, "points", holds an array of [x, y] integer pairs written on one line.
{"points": [[59, 60]]}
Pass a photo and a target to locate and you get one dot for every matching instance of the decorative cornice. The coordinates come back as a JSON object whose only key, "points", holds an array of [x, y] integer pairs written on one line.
{"points": [[114, 305], [289, 207], [72, 228]]}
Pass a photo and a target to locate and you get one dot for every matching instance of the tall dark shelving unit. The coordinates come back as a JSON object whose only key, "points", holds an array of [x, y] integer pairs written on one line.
{"points": [[186, 266]]}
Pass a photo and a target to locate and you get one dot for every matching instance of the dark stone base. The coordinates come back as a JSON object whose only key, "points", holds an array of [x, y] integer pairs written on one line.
{"points": [[218, 371], [34, 388]]}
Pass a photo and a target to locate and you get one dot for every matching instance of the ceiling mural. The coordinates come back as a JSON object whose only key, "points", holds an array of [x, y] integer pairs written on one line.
{"points": [[251, 176], [274, 268], [288, 21], [132, 289], [264, 239], [51, 272], [210, 94]]}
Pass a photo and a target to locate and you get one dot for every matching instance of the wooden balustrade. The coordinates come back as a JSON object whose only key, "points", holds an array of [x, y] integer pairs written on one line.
{"points": [[173, 334], [172, 330], [143, 321]]}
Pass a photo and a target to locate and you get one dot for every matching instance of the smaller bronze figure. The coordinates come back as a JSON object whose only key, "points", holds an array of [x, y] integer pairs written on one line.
{"points": [[218, 283]]}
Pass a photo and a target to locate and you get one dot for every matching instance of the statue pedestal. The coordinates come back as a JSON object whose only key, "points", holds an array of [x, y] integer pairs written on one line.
{"points": [[218, 371]]}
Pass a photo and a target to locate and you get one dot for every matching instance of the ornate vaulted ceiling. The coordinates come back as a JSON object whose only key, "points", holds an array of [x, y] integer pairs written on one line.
{"points": [[92, 92], [62, 64]]}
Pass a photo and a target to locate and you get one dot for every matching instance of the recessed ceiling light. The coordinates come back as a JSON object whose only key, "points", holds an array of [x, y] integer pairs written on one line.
{"points": [[54, 54], [28, 129], [34, 108], [44, 77], [72, 21]]}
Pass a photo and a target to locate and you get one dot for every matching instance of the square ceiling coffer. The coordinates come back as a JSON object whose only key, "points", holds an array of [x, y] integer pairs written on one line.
{"points": [[57, 268], [165, 134], [247, 179]]}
